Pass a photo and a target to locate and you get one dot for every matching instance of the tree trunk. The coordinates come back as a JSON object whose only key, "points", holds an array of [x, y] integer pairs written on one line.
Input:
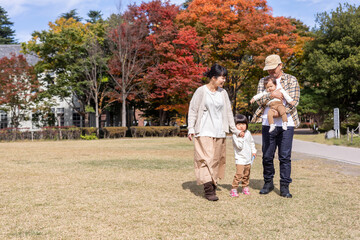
{"points": [[97, 115], [123, 109], [162, 116]]}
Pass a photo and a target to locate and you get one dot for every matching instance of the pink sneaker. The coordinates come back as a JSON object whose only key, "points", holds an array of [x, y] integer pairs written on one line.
{"points": [[234, 193], [246, 191]]}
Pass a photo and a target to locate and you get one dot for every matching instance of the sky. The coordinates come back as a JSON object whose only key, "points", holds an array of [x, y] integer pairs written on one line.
{"points": [[34, 15]]}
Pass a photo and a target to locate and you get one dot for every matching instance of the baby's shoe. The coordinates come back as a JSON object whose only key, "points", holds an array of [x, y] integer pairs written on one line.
{"points": [[234, 193], [272, 127], [246, 191], [284, 126]]}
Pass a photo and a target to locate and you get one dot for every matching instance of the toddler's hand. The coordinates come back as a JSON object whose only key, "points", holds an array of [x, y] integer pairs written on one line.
{"points": [[242, 134]]}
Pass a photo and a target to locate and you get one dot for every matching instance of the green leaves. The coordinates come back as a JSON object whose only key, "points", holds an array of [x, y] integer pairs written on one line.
{"points": [[332, 60]]}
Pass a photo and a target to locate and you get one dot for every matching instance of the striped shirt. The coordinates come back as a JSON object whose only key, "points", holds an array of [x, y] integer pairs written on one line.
{"points": [[290, 84]]}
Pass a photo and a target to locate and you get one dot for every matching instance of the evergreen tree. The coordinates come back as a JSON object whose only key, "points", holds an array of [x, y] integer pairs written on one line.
{"points": [[72, 14], [94, 16], [6, 33]]}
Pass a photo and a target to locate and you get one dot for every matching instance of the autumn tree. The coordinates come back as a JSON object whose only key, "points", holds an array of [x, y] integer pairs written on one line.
{"points": [[19, 87], [129, 47], [332, 60], [93, 65], [174, 73], [239, 34], [63, 50]]}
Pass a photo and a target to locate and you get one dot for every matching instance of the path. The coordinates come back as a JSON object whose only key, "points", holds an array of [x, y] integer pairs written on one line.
{"points": [[338, 153]]}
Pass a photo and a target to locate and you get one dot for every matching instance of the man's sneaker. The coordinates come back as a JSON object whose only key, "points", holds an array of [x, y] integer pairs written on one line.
{"points": [[234, 193], [246, 191]]}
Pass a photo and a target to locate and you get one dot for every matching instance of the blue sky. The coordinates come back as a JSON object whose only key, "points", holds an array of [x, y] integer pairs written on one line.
{"points": [[34, 15]]}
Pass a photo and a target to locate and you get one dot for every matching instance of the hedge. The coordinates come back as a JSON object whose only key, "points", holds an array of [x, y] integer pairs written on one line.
{"points": [[154, 131], [114, 132], [255, 127]]}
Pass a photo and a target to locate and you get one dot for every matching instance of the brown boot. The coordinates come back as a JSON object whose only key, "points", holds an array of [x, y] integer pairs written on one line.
{"points": [[210, 193]]}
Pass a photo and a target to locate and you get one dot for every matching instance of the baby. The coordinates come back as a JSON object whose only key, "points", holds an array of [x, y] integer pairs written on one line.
{"points": [[275, 104]]}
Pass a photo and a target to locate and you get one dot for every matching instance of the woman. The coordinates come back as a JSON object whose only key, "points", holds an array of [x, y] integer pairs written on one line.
{"points": [[209, 120]]}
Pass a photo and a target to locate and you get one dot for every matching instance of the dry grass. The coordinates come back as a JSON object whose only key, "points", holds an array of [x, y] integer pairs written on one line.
{"points": [[145, 189]]}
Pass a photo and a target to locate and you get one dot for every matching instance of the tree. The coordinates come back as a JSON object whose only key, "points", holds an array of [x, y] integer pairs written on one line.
{"points": [[62, 50], [174, 73], [94, 65], [71, 14], [19, 87], [6, 33], [94, 16], [239, 34], [128, 47], [332, 60]]}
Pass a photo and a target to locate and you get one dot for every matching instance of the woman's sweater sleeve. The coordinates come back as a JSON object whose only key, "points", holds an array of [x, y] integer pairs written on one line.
{"points": [[193, 111]]}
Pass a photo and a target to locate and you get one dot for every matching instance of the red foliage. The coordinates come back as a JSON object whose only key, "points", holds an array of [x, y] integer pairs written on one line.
{"points": [[175, 73], [19, 86]]}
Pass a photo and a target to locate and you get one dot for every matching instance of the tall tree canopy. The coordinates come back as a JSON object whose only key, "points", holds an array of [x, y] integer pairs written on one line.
{"points": [[332, 60], [72, 14], [63, 50], [174, 73], [239, 34], [6, 33]]}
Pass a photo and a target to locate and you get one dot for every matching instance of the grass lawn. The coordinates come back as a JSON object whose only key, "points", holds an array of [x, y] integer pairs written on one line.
{"points": [[145, 189], [320, 138]]}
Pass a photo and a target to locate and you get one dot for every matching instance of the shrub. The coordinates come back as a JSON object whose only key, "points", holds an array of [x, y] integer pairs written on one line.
{"points": [[114, 132], [89, 137], [152, 131], [255, 127]]}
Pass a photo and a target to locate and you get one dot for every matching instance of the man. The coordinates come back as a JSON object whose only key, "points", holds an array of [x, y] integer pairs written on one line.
{"points": [[279, 138]]}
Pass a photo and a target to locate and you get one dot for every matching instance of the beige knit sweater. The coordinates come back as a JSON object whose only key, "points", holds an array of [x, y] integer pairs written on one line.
{"points": [[197, 107]]}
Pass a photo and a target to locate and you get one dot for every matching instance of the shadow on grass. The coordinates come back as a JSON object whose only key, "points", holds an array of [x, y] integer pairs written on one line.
{"points": [[256, 184], [197, 190]]}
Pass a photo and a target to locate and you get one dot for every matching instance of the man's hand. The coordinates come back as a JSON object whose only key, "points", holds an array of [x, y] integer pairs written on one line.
{"points": [[277, 94], [292, 103], [252, 100]]}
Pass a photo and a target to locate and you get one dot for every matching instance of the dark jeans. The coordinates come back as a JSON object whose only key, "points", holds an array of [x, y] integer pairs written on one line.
{"points": [[283, 141]]}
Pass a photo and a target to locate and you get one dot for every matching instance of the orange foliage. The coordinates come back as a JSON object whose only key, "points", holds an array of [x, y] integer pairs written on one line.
{"points": [[238, 28]]}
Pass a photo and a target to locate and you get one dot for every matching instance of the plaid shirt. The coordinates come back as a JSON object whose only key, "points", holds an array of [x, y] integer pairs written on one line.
{"points": [[291, 86]]}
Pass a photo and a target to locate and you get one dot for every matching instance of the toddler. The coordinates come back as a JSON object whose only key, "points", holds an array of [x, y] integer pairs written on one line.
{"points": [[275, 104], [245, 152]]}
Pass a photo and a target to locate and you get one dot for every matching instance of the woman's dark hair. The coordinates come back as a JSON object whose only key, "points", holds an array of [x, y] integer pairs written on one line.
{"points": [[272, 79], [239, 118], [216, 71]]}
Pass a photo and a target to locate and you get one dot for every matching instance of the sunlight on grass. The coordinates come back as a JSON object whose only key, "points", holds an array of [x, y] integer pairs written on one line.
{"points": [[145, 189]]}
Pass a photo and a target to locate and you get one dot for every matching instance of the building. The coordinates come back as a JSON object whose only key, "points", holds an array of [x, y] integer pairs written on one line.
{"points": [[65, 114]]}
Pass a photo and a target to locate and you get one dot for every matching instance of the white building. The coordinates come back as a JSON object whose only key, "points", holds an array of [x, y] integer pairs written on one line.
{"points": [[66, 115]]}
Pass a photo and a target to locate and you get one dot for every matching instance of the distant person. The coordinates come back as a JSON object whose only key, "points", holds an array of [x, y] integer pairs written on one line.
{"points": [[209, 120], [279, 138], [245, 153], [275, 104]]}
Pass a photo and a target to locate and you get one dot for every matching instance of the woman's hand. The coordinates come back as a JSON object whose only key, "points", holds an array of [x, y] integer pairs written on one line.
{"points": [[190, 136], [242, 134]]}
